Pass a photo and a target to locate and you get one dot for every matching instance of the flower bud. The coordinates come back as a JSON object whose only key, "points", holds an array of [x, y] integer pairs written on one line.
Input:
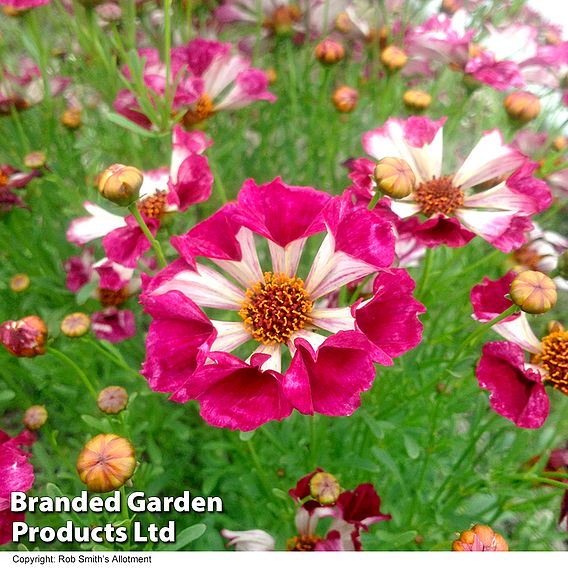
{"points": [[35, 417], [522, 106], [416, 100], [121, 184], [329, 52], [71, 118], [35, 160], [25, 337], [343, 23], [284, 18], [533, 292], [19, 282], [106, 463], [560, 143], [324, 488], [112, 400], [480, 538], [552, 38], [12, 12], [76, 324], [450, 6], [345, 99], [394, 177], [271, 75], [393, 58], [109, 12]]}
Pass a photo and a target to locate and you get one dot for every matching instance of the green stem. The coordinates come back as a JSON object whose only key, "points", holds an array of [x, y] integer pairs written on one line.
{"points": [[259, 469], [110, 356], [68, 361], [155, 244], [374, 200]]}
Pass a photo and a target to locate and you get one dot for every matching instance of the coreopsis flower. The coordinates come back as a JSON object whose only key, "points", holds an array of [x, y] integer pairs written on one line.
{"points": [[249, 541], [16, 474], [106, 462], [24, 4], [208, 79], [76, 324], [12, 179], [517, 387], [25, 337], [25, 88], [188, 181], [450, 210], [480, 538], [274, 309]]}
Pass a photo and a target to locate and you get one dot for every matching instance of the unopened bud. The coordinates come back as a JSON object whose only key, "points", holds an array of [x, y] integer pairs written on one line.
{"points": [[534, 292], [109, 12], [416, 100], [106, 463], [329, 52], [393, 58], [480, 538], [552, 38], [71, 118], [284, 18], [112, 400], [76, 324], [560, 143], [522, 106], [450, 6], [345, 99], [25, 337], [324, 488], [394, 177], [343, 23], [35, 160], [19, 282], [271, 75], [121, 184], [35, 417]]}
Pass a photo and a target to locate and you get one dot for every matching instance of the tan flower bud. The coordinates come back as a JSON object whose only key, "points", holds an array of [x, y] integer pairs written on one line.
{"points": [[324, 488], [35, 417], [534, 292], [522, 106], [19, 282], [416, 100], [329, 52], [106, 462], [271, 75], [35, 160], [394, 177], [25, 337], [345, 99], [121, 184], [71, 118], [450, 6], [76, 324], [112, 400], [480, 538], [393, 58], [343, 23], [560, 143]]}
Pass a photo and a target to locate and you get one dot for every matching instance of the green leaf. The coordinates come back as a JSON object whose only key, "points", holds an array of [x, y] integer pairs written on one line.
{"points": [[246, 436], [98, 424], [86, 292], [185, 537], [411, 446]]}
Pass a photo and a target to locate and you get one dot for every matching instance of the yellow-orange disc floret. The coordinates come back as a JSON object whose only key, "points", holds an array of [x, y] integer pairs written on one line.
{"points": [[439, 195], [554, 360], [203, 109], [153, 206], [275, 308], [302, 543]]}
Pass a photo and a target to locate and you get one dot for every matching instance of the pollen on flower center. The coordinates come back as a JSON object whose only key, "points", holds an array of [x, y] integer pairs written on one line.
{"points": [[302, 543], [554, 360], [203, 110], [3, 179], [275, 308], [438, 195], [108, 297], [527, 256], [153, 206]]}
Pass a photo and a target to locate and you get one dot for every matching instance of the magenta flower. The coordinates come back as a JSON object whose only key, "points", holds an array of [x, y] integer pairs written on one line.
{"points": [[24, 4], [16, 474], [113, 325], [12, 179], [188, 181], [189, 354], [517, 387], [450, 210]]}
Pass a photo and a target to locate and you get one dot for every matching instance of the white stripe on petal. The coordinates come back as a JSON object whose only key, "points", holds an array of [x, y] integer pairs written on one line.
{"points": [[314, 339], [206, 287], [428, 158], [404, 209], [246, 271], [333, 319], [286, 259], [99, 224], [230, 335], [275, 361], [519, 331]]}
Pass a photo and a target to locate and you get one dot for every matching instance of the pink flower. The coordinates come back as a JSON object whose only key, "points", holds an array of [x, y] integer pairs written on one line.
{"points": [[518, 388], [249, 541], [12, 179], [189, 354], [113, 325], [188, 181], [16, 474], [24, 4], [452, 211]]}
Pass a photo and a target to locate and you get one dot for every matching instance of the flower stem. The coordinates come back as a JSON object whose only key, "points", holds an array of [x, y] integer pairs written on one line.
{"points": [[155, 244], [68, 361]]}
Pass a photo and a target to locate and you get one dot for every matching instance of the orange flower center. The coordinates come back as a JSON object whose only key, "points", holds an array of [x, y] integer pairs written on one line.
{"points": [[438, 195], [302, 543], [108, 297], [275, 308], [153, 206], [554, 360], [283, 18], [527, 257], [203, 109], [3, 179]]}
